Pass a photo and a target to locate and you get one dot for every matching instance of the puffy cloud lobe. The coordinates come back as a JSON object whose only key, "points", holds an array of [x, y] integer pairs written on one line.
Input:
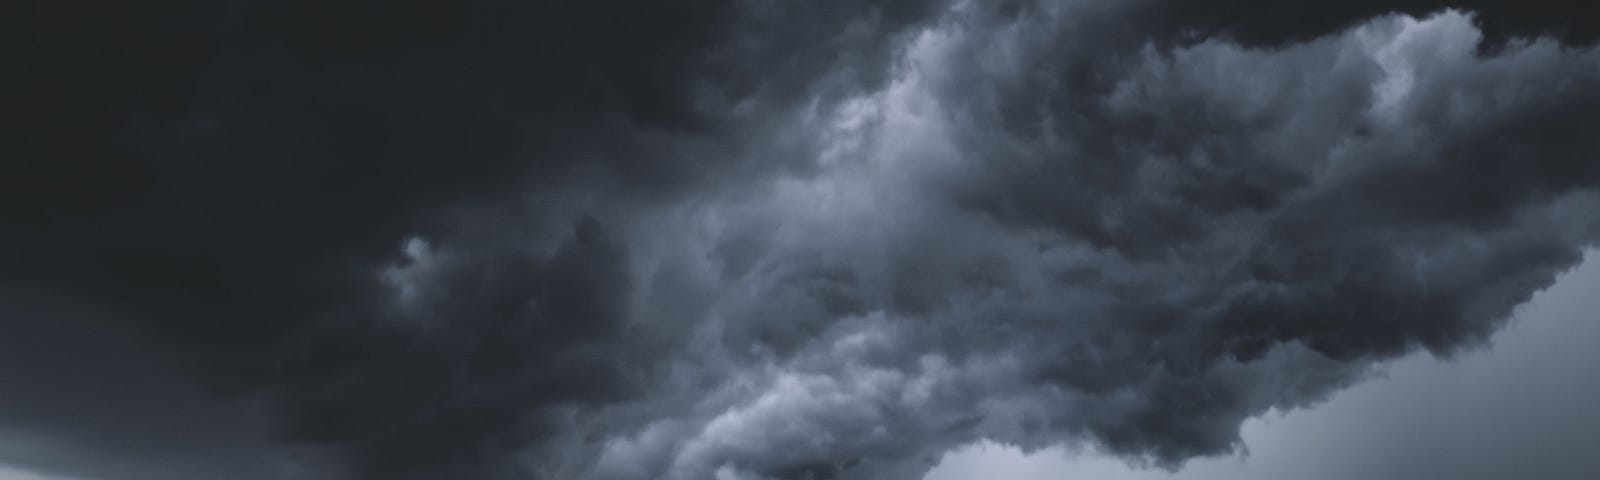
{"points": [[746, 240], [1175, 241]]}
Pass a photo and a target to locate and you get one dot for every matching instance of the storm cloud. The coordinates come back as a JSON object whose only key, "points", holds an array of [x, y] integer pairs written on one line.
{"points": [[751, 239]]}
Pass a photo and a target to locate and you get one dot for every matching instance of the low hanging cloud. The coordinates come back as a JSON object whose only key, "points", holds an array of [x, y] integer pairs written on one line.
{"points": [[753, 240], [1142, 255]]}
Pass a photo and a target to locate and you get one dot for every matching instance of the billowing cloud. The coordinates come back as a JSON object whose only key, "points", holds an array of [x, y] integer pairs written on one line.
{"points": [[752, 240]]}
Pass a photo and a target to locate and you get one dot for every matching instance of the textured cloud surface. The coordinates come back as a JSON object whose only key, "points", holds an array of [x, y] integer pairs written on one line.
{"points": [[756, 240]]}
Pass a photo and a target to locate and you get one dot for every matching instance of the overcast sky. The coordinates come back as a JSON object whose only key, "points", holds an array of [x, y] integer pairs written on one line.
{"points": [[807, 240]]}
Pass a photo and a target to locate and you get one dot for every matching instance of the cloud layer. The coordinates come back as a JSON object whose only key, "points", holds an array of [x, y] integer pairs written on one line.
{"points": [[752, 240]]}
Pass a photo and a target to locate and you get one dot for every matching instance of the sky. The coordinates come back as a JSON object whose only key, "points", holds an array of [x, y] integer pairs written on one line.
{"points": [[1526, 406], [822, 240]]}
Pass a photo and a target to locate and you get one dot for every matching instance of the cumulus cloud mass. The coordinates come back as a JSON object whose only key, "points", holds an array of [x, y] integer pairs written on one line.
{"points": [[751, 239]]}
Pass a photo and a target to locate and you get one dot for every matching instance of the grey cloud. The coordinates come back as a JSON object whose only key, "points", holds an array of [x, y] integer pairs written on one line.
{"points": [[395, 226], [748, 240], [1139, 249], [1265, 23]]}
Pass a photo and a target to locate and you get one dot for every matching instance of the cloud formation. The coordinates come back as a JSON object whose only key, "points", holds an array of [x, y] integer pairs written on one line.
{"points": [[756, 240]]}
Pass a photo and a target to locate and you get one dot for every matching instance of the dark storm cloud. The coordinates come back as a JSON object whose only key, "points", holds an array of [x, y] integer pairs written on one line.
{"points": [[766, 240], [1265, 23], [59, 370], [1032, 239], [248, 185]]}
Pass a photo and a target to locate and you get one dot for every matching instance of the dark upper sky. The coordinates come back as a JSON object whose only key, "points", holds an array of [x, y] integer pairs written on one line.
{"points": [[749, 239]]}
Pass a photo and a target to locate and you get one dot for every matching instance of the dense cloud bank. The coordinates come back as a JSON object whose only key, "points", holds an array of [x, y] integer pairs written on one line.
{"points": [[749, 240]]}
